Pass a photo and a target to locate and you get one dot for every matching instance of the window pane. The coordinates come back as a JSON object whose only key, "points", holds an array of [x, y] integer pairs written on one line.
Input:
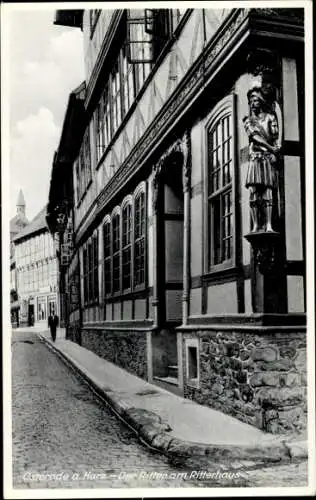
{"points": [[127, 260], [107, 240], [139, 249], [116, 233], [127, 224], [96, 269], [107, 257], [107, 276], [216, 224], [139, 262], [127, 254], [116, 273], [220, 189], [116, 252]]}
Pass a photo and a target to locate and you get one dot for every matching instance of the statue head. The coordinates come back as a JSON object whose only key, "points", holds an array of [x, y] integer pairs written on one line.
{"points": [[256, 99]]}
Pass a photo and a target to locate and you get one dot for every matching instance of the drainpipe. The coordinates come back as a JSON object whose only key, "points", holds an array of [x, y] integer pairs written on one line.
{"points": [[155, 183], [186, 176]]}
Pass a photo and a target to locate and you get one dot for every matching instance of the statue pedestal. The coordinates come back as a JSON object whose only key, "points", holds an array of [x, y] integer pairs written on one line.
{"points": [[268, 279]]}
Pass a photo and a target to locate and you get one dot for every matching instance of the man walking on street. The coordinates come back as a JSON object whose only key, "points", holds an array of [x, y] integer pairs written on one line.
{"points": [[53, 321]]}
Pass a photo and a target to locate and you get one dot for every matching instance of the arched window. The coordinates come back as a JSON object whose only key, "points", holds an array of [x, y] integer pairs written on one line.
{"points": [[107, 257], [139, 239], [116, 252], [85, 275], [95, 271], [127, 246], [221, 165]]}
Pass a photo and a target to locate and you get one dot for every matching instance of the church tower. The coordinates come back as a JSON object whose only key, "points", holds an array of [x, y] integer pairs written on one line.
{"points": [[20, 204]]}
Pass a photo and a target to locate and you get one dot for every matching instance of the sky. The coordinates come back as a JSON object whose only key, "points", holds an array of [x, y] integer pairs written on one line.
{"points": [[45, 65]]}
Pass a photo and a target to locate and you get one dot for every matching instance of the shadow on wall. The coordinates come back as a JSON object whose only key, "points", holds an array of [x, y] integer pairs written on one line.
{"points": [[164, 349]]}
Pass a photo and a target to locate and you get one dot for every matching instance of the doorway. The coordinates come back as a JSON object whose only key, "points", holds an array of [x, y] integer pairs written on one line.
{"points": [[31, 319], [170, 227], [170, 231]]}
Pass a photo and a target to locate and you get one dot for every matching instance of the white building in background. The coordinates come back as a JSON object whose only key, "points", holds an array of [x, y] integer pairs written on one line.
{"points": [[36, 272], [17, 223]]}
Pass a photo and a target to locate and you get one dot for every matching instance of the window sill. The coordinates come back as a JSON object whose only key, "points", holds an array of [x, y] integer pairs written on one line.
{"points": [[226, 265], [194, 383], [222, 271], [141, 292]]}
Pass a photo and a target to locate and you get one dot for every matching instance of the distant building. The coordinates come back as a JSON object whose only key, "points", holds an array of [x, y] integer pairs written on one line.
{"points": [[17, 223], [181, 221], [36, 272]]}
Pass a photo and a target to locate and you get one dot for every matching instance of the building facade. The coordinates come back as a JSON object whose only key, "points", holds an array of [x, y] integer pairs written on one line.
{"points": [[17, 223], [36, 273], [186, 193]]}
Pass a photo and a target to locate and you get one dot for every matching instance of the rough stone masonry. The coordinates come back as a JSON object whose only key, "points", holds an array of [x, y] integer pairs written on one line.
{"points": [[259, 378]]}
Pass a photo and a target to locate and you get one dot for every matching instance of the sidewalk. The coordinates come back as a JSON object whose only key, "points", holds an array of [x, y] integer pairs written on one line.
{"points": [[169, 423]]}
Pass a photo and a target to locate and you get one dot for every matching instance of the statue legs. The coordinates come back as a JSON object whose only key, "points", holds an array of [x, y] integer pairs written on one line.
{"points": [[261, 207], [254, 216], [254, 209], [268, 206]]}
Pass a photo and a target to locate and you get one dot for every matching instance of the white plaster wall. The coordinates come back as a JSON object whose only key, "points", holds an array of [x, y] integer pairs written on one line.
{"points": [[196, 225], [127, 310], [248, 305], [174, 250], [295, 292], [140, 309], [117, 311], [174, 304], [293, 208], [195, 307], [108, 312], [222, 299], [290, 102]]}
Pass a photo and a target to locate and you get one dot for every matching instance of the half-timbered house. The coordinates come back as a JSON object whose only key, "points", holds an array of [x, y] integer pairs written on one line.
{"points": [[174, 272]]}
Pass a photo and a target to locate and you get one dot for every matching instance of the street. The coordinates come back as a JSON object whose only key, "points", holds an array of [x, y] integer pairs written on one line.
{"points": [[65, 437]]}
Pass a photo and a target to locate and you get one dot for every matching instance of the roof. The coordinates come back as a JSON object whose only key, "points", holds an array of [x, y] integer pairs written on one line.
{"points": [[37, 224], [72, 18], [18, 222], [21, 201], [74, 124]]}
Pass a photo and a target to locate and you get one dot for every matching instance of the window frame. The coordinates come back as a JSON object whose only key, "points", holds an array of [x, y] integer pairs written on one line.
{"points": [[108, 258], [95, 267], [226, 106], [108, 222], [140, 191], [118, 252], [128, 202]]}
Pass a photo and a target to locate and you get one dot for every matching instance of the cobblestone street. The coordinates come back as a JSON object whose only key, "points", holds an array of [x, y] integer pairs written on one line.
{"points": [[60, 428]]}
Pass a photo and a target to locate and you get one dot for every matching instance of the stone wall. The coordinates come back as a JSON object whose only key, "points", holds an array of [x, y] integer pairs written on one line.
{"points": [[127, 349], [259, 378], [73, 332]]}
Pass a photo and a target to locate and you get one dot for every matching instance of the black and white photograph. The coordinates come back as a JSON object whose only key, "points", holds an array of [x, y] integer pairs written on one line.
{"points": [[158, 249]]}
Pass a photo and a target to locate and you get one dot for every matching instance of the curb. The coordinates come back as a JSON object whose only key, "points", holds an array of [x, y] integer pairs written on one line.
{"points": [[154, 433]]}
